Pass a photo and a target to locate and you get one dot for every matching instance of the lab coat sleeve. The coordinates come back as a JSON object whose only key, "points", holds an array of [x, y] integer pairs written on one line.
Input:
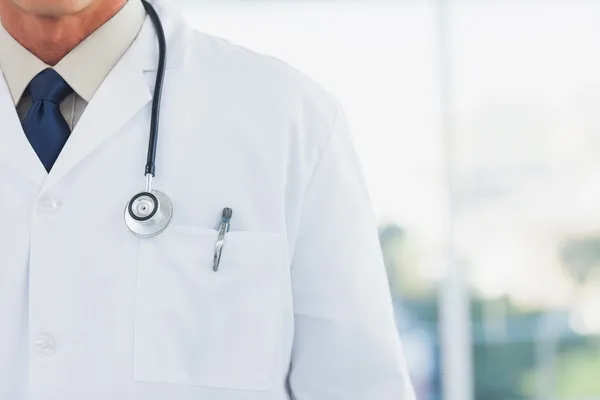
{"points": [[346, 345]]}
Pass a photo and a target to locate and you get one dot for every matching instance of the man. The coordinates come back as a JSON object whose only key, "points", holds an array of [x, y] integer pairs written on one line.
{"points": [[298, 307]]}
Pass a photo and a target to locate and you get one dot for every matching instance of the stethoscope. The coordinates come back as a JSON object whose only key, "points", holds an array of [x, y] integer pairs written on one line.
{"points": [[149, 212]]}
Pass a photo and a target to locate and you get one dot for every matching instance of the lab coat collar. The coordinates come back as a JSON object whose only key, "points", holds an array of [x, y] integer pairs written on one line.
{"points": [[177, 32], [125, 91]]}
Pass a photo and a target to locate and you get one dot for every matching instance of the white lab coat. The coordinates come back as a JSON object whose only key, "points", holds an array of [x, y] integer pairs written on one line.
{"points": [[300, 307]]}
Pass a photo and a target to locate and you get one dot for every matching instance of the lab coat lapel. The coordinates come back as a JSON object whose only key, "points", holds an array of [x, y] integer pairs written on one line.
{"points": [[15, 150], [125, 91], [119, 98]]}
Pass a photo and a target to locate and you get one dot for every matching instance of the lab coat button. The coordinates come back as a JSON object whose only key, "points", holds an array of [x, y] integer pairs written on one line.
{"points": [[50, 204], [45, 345]]}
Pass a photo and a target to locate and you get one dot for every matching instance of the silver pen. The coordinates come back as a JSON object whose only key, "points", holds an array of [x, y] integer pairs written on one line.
{"points": [[223, 229]]}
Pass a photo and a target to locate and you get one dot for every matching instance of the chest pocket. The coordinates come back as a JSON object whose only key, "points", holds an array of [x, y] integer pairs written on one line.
{"points": [[194, 326]]}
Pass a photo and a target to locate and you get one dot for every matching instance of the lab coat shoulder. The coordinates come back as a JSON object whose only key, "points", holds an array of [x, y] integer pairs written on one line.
{"points": [[248, 69], [262, 86]]}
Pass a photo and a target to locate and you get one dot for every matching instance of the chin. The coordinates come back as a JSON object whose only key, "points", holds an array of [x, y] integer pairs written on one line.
{"points": [[52, 8]]}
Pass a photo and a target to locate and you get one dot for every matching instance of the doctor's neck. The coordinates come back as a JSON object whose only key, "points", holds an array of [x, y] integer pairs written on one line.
{"points": [[50, 29]]}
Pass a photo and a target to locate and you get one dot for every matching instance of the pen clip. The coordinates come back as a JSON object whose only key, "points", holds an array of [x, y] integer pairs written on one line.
{"points": [[223, 229]]}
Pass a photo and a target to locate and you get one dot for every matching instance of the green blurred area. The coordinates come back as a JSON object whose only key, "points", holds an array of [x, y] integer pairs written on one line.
{"points": [[518, 352]]}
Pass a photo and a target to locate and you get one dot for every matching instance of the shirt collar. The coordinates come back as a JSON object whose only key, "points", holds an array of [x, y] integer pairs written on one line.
{"points": [[86, 66], [18, 64]]}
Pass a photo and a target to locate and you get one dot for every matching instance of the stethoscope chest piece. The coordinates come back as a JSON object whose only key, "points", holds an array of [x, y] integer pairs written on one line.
{"points": [[148, 213]]}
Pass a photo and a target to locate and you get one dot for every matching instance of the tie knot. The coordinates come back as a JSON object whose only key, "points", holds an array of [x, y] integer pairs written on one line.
{"points": [[48, 85]]}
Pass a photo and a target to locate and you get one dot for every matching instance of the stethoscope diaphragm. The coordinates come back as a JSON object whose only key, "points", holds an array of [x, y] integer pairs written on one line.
{"points": [[148, 213]]}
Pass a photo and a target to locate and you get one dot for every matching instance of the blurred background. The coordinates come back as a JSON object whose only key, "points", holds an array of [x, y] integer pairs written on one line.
{"points": [[478, 126]]}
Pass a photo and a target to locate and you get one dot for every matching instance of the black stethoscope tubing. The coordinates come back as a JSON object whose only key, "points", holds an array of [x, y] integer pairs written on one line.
{"points": [[149, 212], [160, 78]]}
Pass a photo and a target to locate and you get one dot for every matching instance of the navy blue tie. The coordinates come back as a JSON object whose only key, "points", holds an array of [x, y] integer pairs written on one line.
{"points": [[44, 125]]}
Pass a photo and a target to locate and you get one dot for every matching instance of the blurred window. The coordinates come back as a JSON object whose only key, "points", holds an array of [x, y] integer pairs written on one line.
{"points": [[526, 102]]}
